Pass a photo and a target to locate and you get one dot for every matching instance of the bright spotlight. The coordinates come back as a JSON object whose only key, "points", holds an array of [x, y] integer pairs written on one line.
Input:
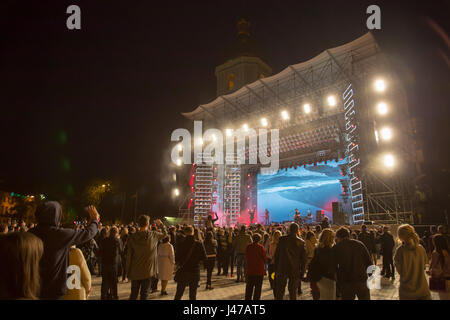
{"points": [[386, 134], [307, 108], [228, 132], [285, 115], [103, 185], [380, 85], [382, 108], [179, 162], [388, 160], [332, 101], [245, 126], [176, 192], [264, 122]]}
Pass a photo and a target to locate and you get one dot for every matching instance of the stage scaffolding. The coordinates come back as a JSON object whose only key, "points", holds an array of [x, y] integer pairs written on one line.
{"points": [[320, 135]]}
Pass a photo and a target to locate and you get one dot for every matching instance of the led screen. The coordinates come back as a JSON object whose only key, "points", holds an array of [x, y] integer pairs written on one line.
{"points": [[310, 188]]}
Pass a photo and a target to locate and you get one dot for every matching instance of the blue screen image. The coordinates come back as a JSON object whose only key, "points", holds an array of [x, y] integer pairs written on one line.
{"points": [[310, 188]]}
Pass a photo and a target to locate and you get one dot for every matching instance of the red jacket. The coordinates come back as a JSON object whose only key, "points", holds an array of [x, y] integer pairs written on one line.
{"points": [[255, 256]]}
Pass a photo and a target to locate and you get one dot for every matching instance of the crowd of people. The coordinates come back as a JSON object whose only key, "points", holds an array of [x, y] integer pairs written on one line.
{"points": [[49, 261]]}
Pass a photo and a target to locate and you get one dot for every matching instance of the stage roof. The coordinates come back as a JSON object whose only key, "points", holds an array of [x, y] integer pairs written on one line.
{"points": [[365, 45]]}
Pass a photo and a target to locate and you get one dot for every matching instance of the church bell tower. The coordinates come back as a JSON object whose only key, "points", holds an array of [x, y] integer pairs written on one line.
{"points": [[243, 64]]}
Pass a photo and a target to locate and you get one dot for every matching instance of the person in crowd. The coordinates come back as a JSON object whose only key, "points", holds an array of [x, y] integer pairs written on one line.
{"points": [[387, 250], [353, 259], [310, 245], [142, 259], [90, 250], [266, 244], [443, 230], [102, 236], [76, 258], [325, 223], [124, 240], [209, 223], [166, 263], [189, 254], [255, 257], [271, 257], [3, 229], [440, 267], [111, 256], [290, 262], [240, 244], [57, 242], [222, 252], [374, 252], [410, 260], [323, 268], [366, 238], [19, 268], [230, 252], [211, 252], [430, 246]]}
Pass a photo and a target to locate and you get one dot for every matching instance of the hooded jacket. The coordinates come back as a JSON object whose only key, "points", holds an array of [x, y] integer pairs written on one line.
{"points": [[57, 242], [410, 263]]}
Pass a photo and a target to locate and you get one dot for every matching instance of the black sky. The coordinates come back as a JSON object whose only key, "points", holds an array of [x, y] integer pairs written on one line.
{"points": [[106, 98]]}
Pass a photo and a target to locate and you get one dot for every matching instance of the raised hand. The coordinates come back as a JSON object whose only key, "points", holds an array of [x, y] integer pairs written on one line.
{"points": [[93, 213]]}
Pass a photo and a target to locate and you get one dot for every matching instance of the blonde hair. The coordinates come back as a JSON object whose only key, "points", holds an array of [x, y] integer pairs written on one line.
{"points": [[276, 236], [326, 238], [408, 235]]}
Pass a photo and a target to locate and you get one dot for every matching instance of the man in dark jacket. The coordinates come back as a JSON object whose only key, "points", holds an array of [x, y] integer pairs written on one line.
{"points": [[290, 262], [111, 260], [352, 260], [368, 240], [189, 254], [57, 243], [387, 250]]}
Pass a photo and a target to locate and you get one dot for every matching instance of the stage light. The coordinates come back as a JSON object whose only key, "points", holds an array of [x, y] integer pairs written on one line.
{"points": [[388, 160], [285, 115], [307, 108], [179, 162], [103, 185], [380, 85], [386, 134], [382, 108], [264, 122], [228, 132], [176, 192], [245, 127], [332, 101]]}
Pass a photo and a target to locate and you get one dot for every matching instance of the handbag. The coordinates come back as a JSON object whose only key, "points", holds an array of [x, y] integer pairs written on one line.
{"points": [[178, 271], [437, 284]]}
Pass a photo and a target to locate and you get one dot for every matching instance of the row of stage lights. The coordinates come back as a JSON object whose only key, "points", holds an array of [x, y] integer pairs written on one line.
{"points": [[332, 102], [385, 133]]}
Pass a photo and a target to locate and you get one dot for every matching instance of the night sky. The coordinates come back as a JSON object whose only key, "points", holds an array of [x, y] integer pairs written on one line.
{"points": [[101, 102]]}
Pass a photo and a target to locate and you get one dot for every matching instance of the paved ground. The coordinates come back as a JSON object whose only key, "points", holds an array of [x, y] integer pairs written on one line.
{"points": [[228, 289]]}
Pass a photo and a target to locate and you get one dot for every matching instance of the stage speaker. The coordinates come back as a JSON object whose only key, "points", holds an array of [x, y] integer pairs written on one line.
{"points": [[338, 214]]}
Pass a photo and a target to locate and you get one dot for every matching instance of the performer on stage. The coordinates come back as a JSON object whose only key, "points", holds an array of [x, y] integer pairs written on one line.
{"points": [[252, 216], [267, 220], [297, 217]]}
